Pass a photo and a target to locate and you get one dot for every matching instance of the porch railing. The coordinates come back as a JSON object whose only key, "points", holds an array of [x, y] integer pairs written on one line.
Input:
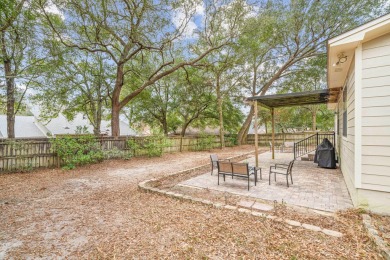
{"points": [[310, 143]]}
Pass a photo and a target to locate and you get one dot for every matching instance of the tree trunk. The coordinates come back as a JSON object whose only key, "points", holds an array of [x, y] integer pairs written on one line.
{"points": [[100, 100], [314, 119], [98, 121], [184, 128], [10, 82], [116, 106], [10, 99], [165, 125], [262, 92], [245, 127], [219, 98], [115, 131]]}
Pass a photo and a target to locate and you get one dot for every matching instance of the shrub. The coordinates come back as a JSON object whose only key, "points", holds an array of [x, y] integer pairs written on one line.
{"points": [[116, 153], [231, 140], [133, 146], [152, 146], [155, 145], [205, 142], [74, 151]]}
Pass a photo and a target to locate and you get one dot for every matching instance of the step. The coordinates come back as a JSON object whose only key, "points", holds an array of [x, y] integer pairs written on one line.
{"points": [[309, 157]]}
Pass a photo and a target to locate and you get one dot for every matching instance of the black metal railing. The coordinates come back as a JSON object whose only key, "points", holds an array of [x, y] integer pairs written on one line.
{"points": [[310, 143]]}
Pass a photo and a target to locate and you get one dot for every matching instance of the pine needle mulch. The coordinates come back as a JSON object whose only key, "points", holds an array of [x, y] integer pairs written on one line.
{"points": [[98, 212]]}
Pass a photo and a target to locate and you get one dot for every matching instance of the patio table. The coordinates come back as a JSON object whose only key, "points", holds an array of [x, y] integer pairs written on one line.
{"points": [[255, 171]]}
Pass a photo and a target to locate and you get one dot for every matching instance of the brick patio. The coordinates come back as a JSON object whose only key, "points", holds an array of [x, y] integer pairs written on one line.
{"points": [[314, 187]]}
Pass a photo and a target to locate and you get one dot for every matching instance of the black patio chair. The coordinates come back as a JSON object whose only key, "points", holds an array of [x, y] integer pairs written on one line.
{"points": [[214, 159], [283, 169]]}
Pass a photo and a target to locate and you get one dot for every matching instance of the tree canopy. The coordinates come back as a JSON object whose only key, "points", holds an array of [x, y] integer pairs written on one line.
{"points": [[169, 64]]}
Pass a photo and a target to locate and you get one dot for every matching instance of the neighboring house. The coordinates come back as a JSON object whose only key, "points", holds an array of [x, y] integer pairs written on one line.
{"points": [[260, 129], [199, 131], [60, 125], [30, 126], [25, 127], [196, 131], [359, 65]]}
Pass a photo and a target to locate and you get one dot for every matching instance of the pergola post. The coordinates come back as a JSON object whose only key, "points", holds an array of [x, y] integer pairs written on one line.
{"points": [[319, 96], [273, 133], [256, 136]]}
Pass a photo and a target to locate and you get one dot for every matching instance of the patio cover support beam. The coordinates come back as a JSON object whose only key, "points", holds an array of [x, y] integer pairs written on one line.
{"points": [[273, 133], [256, 136], [292, 99]]}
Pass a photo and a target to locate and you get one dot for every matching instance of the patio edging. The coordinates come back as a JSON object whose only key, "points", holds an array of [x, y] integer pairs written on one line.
{"points": [[145, 187], [373, 234]]}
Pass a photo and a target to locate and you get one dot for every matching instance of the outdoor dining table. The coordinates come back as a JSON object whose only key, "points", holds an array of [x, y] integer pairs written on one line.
{"points": [[255, 171]]}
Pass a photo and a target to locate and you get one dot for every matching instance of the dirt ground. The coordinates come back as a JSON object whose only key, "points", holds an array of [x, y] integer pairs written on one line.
{"points": [[98, 211]]}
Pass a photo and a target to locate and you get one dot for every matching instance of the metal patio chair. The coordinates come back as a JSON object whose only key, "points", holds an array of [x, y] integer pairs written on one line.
{"points": [[214, 159], [283, 169]]}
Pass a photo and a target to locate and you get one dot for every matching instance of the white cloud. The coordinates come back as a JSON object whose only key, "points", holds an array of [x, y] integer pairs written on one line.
{"points": [[53, 9], [183, 22], [199, 9], [180, 20], [253, 11]]}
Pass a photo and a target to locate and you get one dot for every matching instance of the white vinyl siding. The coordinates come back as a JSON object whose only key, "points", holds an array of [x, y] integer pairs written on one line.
{"points": [[376, 114], [347, 144]]}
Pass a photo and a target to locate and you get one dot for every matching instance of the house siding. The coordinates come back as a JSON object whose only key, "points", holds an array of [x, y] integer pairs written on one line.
{"points": [[376, 115], [364, 160], [347, 144]]}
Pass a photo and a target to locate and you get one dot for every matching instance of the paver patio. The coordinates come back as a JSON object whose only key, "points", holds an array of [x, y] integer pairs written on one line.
{"points": [[314, 187]]}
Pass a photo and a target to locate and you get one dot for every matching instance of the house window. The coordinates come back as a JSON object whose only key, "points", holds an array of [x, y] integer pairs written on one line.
{"points": [[345, 114]]}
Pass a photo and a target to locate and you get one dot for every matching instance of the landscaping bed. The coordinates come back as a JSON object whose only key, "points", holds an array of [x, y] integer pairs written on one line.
{"points": [[382, 225]]}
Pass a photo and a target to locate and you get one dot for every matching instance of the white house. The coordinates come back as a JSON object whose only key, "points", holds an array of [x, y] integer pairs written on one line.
{"points": [[31, 126], [60, 125], [25, 126], [359, 67]]}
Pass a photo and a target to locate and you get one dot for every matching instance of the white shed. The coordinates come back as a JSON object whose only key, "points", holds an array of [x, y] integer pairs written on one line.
{"points": [[359, 66]]}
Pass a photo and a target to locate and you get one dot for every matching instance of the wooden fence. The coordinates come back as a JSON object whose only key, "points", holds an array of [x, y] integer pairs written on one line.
{"points": [[25, 154], [280, 138]]}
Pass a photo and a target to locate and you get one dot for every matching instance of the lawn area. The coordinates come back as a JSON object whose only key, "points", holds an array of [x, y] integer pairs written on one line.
{"points": [[98, 212]]}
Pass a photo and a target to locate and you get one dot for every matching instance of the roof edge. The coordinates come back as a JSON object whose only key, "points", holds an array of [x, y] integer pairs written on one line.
{"points": [[359, 31]]}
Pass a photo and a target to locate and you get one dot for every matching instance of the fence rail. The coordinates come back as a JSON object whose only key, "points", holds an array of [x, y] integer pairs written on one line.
{"points": [[26, 154], [280, 138], [310, 143]]}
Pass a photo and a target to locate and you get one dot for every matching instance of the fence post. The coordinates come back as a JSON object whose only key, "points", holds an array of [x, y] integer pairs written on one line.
{"points": [[294, 152]]}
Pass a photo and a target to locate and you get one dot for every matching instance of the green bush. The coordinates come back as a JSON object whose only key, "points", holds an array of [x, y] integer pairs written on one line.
{"points": [[155, 145], [152, 146], [133, 146], [205, 142], [116, 153], [231, 140], [74, 151]]}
